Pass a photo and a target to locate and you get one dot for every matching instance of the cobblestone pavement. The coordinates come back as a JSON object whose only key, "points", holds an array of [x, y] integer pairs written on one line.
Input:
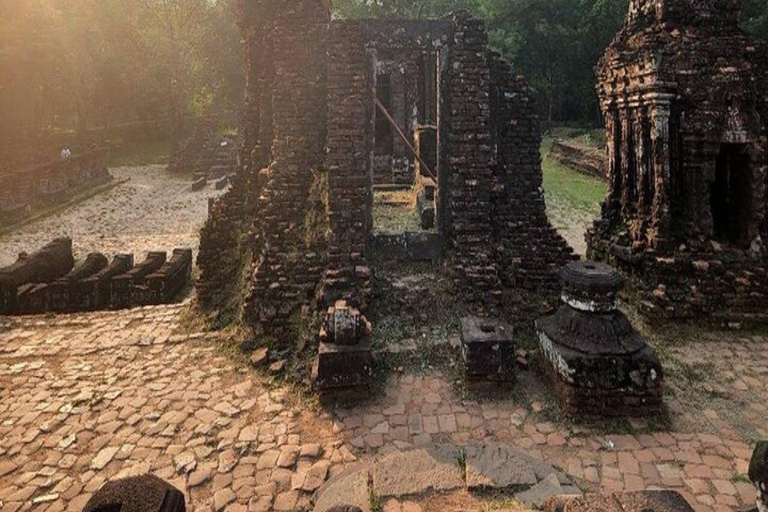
{"points": [[86, 398], [153, 211], [91, 397]]}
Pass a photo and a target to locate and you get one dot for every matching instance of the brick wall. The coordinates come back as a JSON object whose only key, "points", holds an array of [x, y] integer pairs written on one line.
{"points": [[287, 270], [530, 249], [349, 143], [467, 162]]}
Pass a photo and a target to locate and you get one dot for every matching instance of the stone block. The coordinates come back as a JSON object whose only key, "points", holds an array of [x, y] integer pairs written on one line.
{"points": [[122, 286], [51, 262], [199, 184], [426, 210], [343, 366], [94, 292], [221, 183], [413, 472], [488, 349], [163, 286]]}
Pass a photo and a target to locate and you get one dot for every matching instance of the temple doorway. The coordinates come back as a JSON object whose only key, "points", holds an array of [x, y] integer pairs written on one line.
{"points": [[730, 195]]}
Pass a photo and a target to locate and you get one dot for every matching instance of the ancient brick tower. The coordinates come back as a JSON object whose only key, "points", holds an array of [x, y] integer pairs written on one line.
{"points": [[684, 94], [301, 206]]}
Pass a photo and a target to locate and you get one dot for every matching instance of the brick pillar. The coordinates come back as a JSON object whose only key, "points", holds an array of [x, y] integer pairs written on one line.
{"points": [[469, 157], [660, 114], [287, 268], [349, 163]]}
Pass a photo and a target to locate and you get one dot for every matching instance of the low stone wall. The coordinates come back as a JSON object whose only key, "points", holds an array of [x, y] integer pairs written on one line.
{"points": [[593, 163], [25, 190]]}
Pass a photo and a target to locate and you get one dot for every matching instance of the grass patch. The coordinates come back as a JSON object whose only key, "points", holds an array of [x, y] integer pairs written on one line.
{"points": [[569, 188], [136, 154], [395, 211]]}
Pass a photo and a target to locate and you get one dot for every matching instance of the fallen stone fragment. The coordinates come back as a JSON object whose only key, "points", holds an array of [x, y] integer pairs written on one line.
{"points": [[259, 357], [277, 367], [431, 467], [185, 462], [104, 457], [316, 475], [537, 495]]}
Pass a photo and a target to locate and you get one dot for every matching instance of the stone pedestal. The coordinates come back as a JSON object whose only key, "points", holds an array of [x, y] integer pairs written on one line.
{"points": [[596, 361], [488, 349], [758, 474], [344, 358]]}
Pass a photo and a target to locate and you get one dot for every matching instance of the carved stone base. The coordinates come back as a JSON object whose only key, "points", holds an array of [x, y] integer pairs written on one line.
{"points": [[343, 366], [598, 401]]}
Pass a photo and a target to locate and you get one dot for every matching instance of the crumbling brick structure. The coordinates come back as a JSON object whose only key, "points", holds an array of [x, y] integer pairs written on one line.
{"points": [[684, 93], [309, 146], [25, 189]]}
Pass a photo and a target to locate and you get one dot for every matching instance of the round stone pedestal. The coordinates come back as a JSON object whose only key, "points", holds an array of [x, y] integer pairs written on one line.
{"points": [[596, 361]]}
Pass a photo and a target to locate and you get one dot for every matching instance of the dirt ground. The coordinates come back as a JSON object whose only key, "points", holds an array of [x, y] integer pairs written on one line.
{"points": [[152, 211]]}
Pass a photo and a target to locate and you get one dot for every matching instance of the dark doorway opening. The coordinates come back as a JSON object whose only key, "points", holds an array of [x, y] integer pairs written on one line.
{"points": [[384, 140], [731, 194]]}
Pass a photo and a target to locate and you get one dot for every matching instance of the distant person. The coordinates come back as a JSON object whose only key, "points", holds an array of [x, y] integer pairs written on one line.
{"points": [[66, 154]]}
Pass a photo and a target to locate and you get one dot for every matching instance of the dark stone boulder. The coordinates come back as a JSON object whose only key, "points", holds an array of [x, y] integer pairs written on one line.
{"points": [[51, 262], [758, 474], [145, 493]]}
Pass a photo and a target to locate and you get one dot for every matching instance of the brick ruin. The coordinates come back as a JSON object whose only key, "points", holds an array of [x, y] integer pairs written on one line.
{"points": [[205, 155], [301, 204], [48, 281], [683, 93], [25, 189]]}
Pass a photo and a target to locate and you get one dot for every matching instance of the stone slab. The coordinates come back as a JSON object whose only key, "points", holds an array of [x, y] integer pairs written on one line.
{"points": [[428, 468], [641, 501], [501, 466], [348, 488]]}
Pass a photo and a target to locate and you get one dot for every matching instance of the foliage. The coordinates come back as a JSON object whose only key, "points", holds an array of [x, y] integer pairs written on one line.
{"points": [[75, 64], [554, 43]]}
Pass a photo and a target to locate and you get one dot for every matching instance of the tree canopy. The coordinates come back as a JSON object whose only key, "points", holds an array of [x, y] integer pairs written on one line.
{"points": [[554, 43], [73, 64]]}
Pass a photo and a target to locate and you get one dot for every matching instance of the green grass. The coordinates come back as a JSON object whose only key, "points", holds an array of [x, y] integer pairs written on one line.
{"points": [[395, 211], [569, 188], [136, 154]]}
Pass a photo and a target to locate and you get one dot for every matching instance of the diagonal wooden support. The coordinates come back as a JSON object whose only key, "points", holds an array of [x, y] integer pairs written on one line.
{"points": [[413, 151]]}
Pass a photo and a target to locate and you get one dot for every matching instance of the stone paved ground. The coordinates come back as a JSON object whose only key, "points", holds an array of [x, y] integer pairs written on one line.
{"points": [[153, 211], [91, 397]]}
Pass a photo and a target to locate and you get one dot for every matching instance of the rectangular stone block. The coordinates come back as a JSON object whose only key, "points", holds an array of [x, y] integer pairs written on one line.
{"points": [[340, 366], [488, 349]]}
